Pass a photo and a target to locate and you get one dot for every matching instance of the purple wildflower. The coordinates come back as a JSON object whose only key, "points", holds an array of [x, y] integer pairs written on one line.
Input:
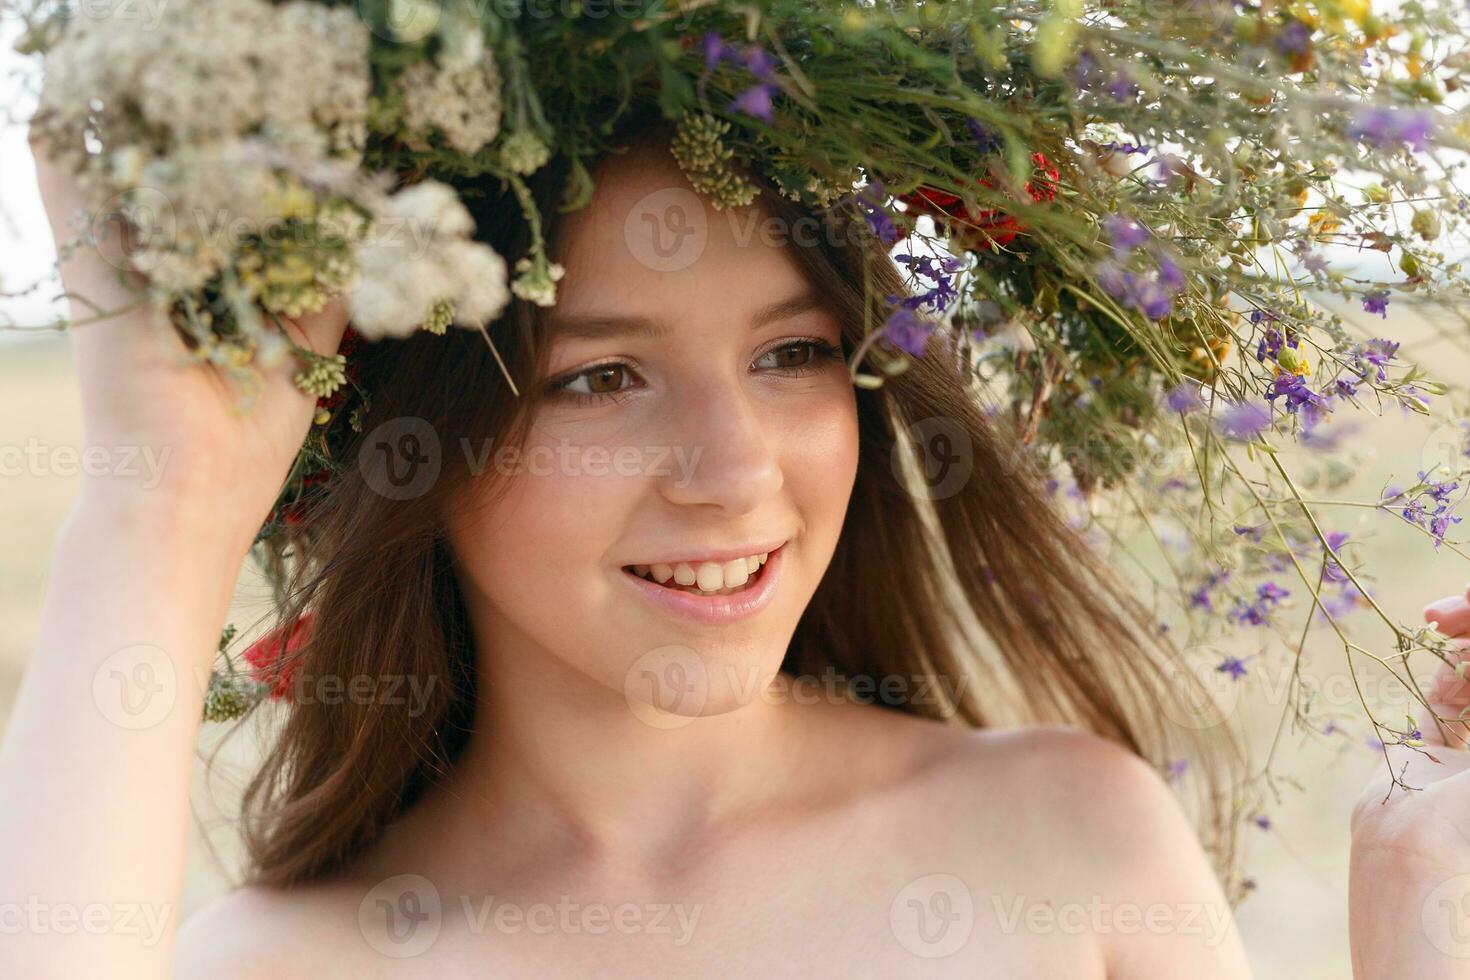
{"points": [[1271, 339], [1332, 571], [871, 199], [1168, 167], [1376, 302], [1294, 388], [1177, 769], [1243, 420], [1377, 353], [907, 331], [1345, 600], [1185, 397], [755, 101], [1271, 592], [1262, 821], [1148, 296], [1125, 233], [1257, 612], [1112, 278], [1086, 71], [1389, 126], [1121, 86], [1295, 38], [1200, 597], [987, 139], [758, 62], [715, 50], [1169, 275], [1233, 666], [1416, 511]]}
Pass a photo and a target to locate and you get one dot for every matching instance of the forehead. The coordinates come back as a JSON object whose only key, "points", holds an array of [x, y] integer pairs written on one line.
{"points": [[647, 244]]}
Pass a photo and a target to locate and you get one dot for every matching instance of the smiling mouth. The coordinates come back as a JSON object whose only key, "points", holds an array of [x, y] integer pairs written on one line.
{"points": [[708, 578]]}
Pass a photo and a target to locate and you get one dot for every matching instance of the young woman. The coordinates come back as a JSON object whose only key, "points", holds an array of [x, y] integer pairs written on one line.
{"points": [[523, 742]]}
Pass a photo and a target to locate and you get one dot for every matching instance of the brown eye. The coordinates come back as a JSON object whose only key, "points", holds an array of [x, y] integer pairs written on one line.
{"points": [[606, 379], [790, 355]]}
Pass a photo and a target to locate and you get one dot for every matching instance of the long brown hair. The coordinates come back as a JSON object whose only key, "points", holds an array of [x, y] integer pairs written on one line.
{"points": [[986, 591]]}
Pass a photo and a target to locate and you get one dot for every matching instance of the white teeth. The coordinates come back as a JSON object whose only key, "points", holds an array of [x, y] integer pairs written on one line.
{"points": [[735, 573], [711, 578], [707, 576]]}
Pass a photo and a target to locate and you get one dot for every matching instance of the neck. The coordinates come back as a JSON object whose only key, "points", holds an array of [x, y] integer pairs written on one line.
{"points": [[563, 758]]}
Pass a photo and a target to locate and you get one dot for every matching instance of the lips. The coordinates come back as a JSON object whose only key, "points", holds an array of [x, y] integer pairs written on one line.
{"points": [[709, 578], [721, 606]]}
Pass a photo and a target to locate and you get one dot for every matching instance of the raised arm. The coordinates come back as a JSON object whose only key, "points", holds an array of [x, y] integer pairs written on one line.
{"points": [[95, 764]]}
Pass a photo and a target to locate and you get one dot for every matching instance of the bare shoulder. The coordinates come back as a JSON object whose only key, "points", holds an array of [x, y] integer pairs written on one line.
{"points": [[1078, 830], [1084, 801], [259, 932]]}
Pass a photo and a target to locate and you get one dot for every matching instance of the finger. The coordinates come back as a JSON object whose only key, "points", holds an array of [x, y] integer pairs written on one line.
{"points": [[320, 331], [1450, 615], [1448, 697]]}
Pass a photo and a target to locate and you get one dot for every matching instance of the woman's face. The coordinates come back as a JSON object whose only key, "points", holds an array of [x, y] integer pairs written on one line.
{"points": [[697, 420]]}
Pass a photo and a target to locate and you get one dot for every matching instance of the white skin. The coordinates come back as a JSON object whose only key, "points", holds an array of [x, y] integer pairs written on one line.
{"points": [[778, 834]]}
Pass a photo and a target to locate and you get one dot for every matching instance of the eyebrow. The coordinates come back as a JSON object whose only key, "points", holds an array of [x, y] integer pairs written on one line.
{"points": [[595, 326]]}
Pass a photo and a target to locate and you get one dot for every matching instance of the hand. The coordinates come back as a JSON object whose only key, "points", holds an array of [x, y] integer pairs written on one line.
{"points": [[138, 392], [1409, 887]]}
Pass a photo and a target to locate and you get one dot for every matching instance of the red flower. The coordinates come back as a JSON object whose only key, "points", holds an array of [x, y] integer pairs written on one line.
{"points": [[269, 664], [990, 224]]}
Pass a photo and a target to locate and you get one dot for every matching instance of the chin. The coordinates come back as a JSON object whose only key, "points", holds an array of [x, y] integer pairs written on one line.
{"points": [[672, 684]]}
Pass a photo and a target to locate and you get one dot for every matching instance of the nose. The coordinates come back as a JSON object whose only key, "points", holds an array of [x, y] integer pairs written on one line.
{"points": [[726, 455]]}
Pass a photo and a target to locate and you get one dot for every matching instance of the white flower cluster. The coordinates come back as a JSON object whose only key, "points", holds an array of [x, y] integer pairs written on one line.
{"points": [[209, 70], [418, 255], [183, 107], [463, 104], [232, 134]]}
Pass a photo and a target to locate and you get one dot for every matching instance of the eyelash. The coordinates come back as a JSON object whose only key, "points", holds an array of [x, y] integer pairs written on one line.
{"points": [[821, 351]]}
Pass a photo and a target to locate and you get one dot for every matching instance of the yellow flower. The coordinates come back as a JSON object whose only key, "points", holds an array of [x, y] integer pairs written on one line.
{"points": [[1290, 359], [1322, 223]]}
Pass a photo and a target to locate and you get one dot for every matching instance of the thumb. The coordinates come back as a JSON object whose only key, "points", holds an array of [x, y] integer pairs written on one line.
{"points": [[321, 331]]}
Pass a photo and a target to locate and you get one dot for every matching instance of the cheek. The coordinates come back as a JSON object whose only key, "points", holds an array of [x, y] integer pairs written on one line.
{"points": [[821, 451], [549, 526]]}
